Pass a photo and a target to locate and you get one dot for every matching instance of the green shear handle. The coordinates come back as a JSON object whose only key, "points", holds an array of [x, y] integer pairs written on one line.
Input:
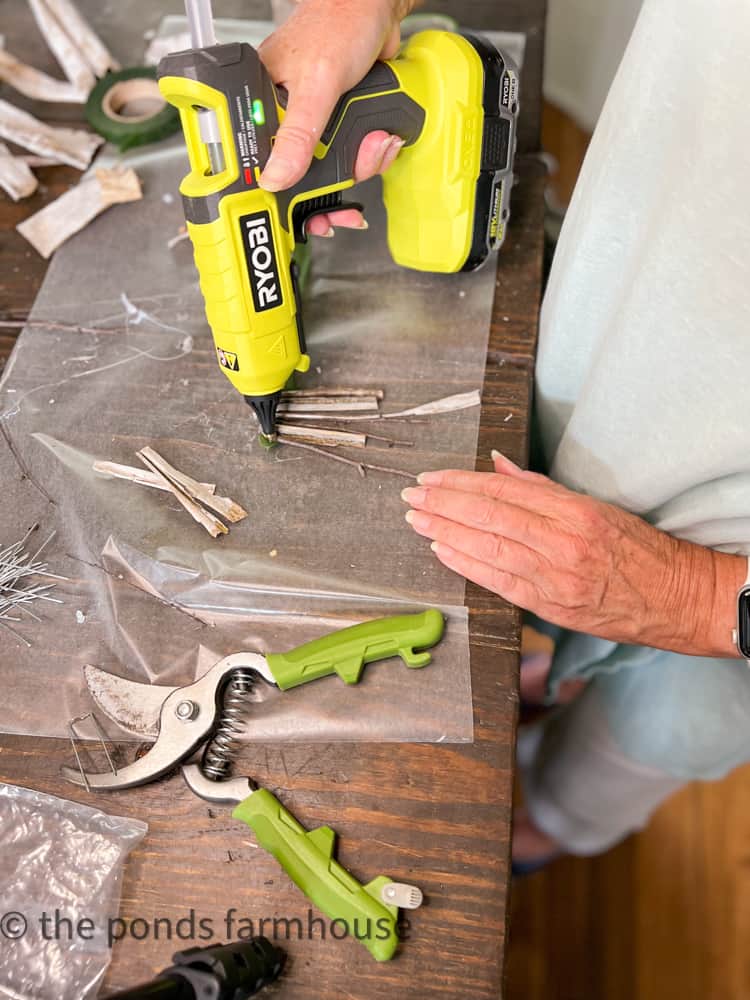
{"points": [[346, 652]]}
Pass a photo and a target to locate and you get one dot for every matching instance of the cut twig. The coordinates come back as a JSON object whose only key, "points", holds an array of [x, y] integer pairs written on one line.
{"points": [[301, 429], [322, 435], [25, 473], [322, 393], [37, 85], [75, 209], [112, 470], [71, 146], [360, 466], [329, 405], [221, 505], [212, 524], [16, 177]]}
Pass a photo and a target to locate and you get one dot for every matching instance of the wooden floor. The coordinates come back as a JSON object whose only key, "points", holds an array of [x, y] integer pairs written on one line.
{"points": [[665, 916]]}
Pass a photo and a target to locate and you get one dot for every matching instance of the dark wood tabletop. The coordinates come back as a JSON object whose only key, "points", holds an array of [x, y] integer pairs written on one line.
{"points": [[437, 816]]}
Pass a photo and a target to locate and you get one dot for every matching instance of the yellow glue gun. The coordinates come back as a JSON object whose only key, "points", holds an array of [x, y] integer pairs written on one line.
{"points": [[452, 98]]}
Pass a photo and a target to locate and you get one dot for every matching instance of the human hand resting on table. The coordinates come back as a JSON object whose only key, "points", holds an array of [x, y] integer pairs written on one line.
{"points": [[323, 50], [577, 562]]}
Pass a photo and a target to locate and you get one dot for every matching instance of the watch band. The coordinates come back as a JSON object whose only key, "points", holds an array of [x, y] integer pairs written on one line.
{"points": [[736, 630]]}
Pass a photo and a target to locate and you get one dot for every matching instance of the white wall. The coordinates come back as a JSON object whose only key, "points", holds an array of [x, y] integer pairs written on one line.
{"points": [[585, 43]]}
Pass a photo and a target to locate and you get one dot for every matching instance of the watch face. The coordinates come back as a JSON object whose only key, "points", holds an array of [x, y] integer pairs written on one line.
{"points": [[743, 623]]}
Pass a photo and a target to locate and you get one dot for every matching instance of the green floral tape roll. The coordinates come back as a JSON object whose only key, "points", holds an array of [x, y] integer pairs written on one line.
{"points": [[128, 110]]}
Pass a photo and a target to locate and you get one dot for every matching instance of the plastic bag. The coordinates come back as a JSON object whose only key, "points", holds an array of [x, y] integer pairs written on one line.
{"points": [[60, 872]]}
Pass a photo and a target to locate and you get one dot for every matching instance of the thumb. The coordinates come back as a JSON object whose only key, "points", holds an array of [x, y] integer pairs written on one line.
{"points": [[298, 134]]}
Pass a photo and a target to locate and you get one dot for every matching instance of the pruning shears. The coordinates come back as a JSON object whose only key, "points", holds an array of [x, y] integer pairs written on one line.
{"points": [[210, 714]]}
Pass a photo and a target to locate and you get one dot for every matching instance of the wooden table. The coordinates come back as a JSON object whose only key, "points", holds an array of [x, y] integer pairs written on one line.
{"points": [[438, 816]]}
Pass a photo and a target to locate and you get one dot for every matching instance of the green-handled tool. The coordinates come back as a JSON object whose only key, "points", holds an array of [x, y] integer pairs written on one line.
{"points": [[209, 713]]}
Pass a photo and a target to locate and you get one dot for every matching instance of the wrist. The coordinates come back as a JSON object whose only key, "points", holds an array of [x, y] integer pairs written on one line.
{"points": [[707, 596]]}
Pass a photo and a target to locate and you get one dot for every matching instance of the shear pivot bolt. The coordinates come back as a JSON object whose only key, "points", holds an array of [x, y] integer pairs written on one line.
{"points": [[186, 711]]}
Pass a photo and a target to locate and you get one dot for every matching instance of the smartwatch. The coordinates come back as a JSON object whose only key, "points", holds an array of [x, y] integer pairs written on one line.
{"points": [[742, 632]]}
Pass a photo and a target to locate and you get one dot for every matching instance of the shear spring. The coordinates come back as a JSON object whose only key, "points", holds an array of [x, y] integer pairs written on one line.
{"points": [[223, 748]]}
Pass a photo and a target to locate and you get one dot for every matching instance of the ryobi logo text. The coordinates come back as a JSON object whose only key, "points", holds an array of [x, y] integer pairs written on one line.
{"points": [[260, 253]]}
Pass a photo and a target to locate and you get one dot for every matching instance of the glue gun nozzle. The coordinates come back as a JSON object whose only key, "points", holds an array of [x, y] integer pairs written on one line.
{"points": [[265, 408]]}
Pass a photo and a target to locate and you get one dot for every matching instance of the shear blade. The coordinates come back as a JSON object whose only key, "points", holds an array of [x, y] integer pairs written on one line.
{"points": [[134, 706]]}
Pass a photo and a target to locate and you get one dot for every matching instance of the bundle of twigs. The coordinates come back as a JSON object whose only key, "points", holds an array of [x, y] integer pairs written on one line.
{"points": [[300, 411]]}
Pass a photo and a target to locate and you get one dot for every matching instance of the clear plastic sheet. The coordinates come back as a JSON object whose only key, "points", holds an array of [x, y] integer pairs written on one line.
{"points": [[151, 596], [60, 874]]}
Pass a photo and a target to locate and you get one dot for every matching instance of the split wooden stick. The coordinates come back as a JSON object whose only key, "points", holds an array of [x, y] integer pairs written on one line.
{"points": [[75, 209], [221, 505], [16, 177], [37, 85], [113, 470], [322, 435], [327, 405], [66, 145], [212, 524], [322, 393]]}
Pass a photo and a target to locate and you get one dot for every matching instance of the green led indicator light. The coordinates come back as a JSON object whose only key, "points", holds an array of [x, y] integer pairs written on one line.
{"points": [[259, 114]]}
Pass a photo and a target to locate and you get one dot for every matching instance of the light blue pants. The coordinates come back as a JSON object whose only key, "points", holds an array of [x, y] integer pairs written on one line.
{"points": [[595, 770]]}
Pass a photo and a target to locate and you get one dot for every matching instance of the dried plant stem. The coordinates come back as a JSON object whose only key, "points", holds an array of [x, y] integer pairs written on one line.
{"points": [[322, 435], [332, 393], [362, 467], [45, 324]]}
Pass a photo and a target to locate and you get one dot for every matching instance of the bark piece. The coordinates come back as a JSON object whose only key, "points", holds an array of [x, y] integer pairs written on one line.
{"points": [[364, 404], [113, 470], [72, 211], [322, 435], [66, 145], [91, 46], [212, 524], [15, 175], [72, 61], [221, 505], [449, 404], [324, 392], [37, 85]]}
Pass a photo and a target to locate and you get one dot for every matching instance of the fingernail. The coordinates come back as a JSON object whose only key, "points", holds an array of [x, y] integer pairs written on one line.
{"points": [[409, 516], [503, 458], [390, 153], [429, 479], [331, 232], [364, 224], [279, 173], [437, 548], [413, 496]]}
